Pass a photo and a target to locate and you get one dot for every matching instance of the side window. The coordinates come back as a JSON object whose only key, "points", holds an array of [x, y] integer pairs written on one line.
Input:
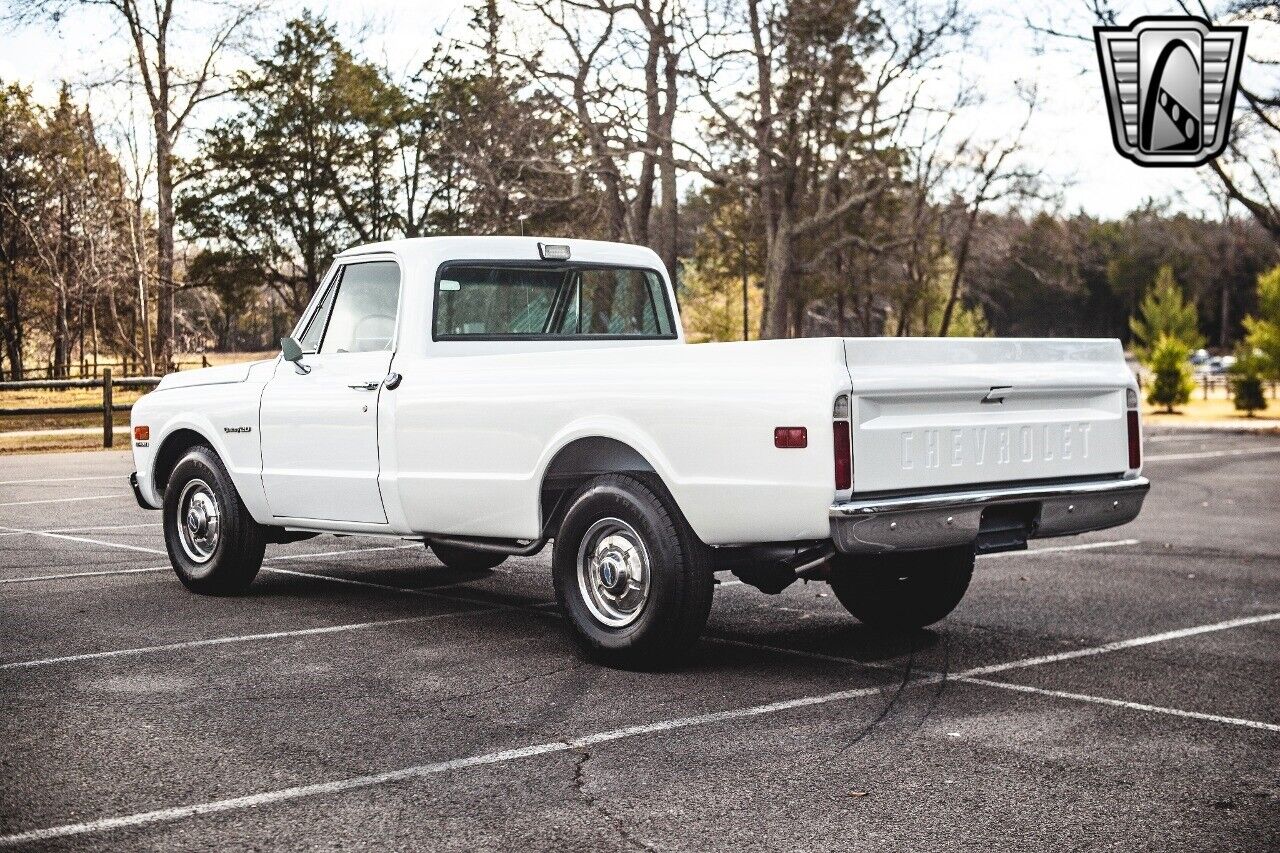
{"points": [[310, 340], [364, 310]]}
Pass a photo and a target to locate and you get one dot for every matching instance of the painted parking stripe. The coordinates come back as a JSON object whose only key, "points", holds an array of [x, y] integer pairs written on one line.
{"points": [[118, 477], [167, 568], [1211, 454], [1122, 644], [81, 529], [675, 724], [86, 539], [1058, 549], [102, 527], [111, 496], [221, 641], [36, 578], [1121, 703], [351, 581]]}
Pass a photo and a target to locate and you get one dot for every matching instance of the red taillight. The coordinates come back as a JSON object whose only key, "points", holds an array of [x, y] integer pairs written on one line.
{"points": [[1135, 442], [843, 457], [790, 437], [142, 433]]}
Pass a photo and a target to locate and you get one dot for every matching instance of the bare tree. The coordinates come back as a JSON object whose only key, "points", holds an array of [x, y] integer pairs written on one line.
{"points": [[993, 177], [176, 83], [820, 95], [1252, 171], [614, 65]]}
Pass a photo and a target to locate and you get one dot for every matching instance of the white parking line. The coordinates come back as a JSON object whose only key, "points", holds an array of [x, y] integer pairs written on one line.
{"points": [[166, 568], [111, 496], [101, 527], [1211, 454], [423, 770], [1058, 549], [118, 477], [351, 581], [1121, 703], [1122, 644], [219, 641], [35, 578], [85, 539]]}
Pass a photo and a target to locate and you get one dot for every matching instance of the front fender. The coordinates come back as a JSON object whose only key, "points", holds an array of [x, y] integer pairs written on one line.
{"points": [[227, 421]]}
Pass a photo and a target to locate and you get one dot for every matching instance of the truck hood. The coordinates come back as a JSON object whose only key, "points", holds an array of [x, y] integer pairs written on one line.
{"points": [[222, 375]]}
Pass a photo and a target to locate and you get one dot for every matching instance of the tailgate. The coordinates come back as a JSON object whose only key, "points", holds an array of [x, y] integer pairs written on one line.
{"points": [[937, 412]]}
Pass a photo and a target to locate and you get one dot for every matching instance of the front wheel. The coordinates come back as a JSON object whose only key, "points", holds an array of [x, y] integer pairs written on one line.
{"points": [[215, 546], [631, 575], [903, 590]]}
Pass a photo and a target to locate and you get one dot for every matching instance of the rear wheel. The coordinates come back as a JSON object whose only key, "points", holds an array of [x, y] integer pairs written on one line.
{"points": [[215, 546], [632, 577], [466, 559], [903, 590]]}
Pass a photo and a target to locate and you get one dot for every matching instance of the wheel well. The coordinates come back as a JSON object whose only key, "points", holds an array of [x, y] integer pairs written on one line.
{"points": [[579, 461], [174, 447]]}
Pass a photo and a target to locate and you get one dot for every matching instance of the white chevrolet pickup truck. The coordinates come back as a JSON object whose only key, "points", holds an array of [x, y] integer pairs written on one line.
{"points": [[487, 395]]}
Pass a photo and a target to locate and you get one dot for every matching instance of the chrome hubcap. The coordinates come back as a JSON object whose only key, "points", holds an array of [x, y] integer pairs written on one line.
{"points": [[613, 572], [198, 526]]}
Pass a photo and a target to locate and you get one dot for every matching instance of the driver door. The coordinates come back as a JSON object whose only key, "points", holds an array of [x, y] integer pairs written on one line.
{"points": [[319, 419]]}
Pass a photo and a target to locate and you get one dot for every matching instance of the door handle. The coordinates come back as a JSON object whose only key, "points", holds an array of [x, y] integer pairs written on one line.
{"points": [[365, 386]]}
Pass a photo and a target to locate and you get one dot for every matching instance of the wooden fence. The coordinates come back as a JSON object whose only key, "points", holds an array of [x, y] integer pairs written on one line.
{"points": [[90, 370], [107, 408]]}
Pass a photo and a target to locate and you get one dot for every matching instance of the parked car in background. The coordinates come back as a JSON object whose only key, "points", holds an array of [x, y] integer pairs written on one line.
{"points": [[487, 396]]}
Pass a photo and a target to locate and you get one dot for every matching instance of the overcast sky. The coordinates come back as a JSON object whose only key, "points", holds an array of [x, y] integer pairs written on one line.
{"points": [[1069, 137]]}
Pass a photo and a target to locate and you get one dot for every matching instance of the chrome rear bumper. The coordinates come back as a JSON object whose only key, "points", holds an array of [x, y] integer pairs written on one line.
{"points": [[920, 522]]}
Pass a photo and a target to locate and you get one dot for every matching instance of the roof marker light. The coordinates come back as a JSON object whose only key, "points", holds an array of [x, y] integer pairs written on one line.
{"points": [[553, 251]]}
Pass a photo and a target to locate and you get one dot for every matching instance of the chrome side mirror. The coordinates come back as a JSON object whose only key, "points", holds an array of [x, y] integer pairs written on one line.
{"points": [[292, 351]]}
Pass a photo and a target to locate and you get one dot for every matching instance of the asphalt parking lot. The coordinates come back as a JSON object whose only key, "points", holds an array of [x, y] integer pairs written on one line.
{"points": [[1115, 691]]}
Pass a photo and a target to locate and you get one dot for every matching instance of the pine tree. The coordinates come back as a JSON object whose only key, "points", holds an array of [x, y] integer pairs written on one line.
{"points": [[1164, 311], [1246, 380], [1173, 383], [1263, 331]]}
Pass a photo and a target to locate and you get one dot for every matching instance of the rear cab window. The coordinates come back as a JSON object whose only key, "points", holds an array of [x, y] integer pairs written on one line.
{"points": [[493, 300]]}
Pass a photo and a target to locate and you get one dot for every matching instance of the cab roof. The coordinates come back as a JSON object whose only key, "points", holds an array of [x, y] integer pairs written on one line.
{"points": [[440, 249]]}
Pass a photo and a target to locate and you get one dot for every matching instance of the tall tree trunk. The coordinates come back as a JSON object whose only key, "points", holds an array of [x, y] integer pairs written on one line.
{"points": [[777, 276], [164, 348], [61, 334], [668, 223], [957, 278], [13, 331]]}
